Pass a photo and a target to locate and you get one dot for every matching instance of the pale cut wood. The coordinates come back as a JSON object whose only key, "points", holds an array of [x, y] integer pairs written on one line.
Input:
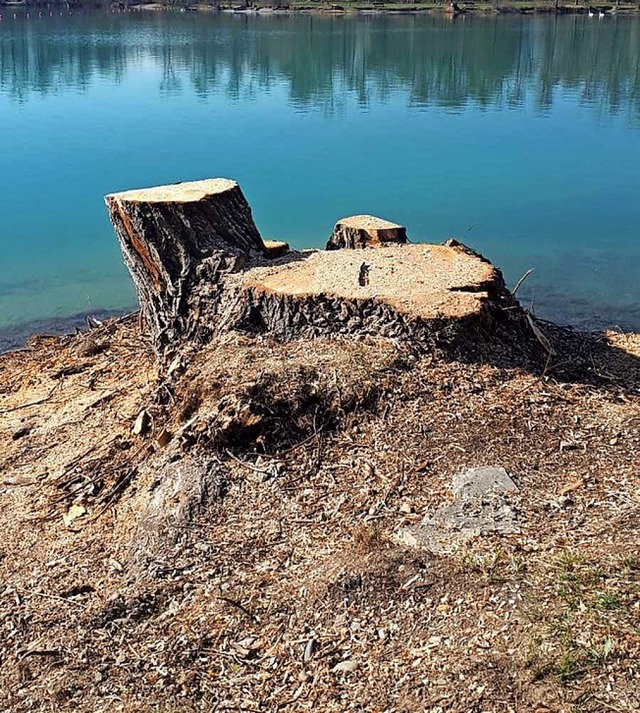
{"points": [[365, 231]]}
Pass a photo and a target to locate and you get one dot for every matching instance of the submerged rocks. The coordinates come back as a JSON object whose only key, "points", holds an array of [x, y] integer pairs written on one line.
{"points": [[365, 231]]}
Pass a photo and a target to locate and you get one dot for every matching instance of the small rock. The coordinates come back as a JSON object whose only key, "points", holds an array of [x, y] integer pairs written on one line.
{"points": [[564, 501], [20, 433], [115, 565], [141, 425], [348, 666], [480, 482], [74, 512], [308, 650], [482, 505]]}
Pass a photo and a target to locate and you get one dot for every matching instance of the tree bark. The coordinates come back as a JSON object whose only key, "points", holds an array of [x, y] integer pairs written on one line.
{"points": [[178, 242]]}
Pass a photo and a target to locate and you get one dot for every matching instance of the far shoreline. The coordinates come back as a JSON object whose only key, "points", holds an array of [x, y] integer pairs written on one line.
{"points": [[449, 10]]}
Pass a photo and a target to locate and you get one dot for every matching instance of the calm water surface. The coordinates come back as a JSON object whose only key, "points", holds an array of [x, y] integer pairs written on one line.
{"points": [[519, 135]]}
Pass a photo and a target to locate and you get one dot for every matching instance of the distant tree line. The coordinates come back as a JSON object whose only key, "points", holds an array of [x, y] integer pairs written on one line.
{"points": [[559, 6]]}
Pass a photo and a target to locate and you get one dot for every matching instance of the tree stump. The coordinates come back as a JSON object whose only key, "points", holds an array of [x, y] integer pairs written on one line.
{"points": [[276, 248], [178, 241], [201, 268], [365, 231]]}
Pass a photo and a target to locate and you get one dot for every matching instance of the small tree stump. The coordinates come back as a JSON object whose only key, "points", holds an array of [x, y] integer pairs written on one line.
{"points": [[431, 295], [365, 231], [276, 248]]}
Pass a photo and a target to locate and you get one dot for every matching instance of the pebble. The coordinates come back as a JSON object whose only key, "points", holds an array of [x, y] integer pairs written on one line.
{"points": [[308, 650], [564, 501], [345, 667]]}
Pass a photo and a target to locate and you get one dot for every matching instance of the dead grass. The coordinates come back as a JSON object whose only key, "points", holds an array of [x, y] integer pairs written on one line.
{"points": [[288, 589]]}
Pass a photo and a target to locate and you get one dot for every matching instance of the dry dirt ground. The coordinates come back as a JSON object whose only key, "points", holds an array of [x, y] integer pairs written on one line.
{"points": [[278, 582]]}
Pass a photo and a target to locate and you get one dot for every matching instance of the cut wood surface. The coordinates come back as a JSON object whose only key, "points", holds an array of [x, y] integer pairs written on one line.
{"points": [[201, 268], [365, 231]]}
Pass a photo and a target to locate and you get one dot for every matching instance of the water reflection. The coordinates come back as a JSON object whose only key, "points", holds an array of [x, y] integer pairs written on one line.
{"points": [[484, 62]]}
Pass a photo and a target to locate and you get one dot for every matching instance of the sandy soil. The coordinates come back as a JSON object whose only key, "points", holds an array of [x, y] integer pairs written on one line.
{"points": [[284, 586]]}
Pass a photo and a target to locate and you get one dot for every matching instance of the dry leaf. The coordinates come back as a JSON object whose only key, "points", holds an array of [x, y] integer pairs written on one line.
{"points": [[164, 438], [570, 487], [74, 512]]}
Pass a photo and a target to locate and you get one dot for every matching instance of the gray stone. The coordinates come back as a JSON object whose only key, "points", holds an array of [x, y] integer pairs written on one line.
{"points": [[480, 482], [345, 667], [483, 504]]}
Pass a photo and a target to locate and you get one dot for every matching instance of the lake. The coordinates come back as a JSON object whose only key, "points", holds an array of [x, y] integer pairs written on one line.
{"points": [[518, 135]]}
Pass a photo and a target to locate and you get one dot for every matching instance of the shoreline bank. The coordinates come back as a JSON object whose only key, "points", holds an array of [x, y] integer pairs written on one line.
{"points": [[315, 464], [318, 457], [16, 336], [453, 11]]}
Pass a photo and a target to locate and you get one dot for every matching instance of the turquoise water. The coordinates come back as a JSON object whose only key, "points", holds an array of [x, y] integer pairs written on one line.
{"points": [[519, 135]]}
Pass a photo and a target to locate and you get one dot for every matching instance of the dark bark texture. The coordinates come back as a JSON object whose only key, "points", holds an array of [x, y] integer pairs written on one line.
{"points": [[178, 249]]}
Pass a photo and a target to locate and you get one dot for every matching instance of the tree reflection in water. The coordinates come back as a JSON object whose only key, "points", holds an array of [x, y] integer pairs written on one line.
{"points": [[434, 61]]}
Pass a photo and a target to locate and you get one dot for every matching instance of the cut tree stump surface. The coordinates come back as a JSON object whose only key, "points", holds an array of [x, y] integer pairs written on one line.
{"points": [[426, 281], [189, 192], [365, 231], [368, 222]]}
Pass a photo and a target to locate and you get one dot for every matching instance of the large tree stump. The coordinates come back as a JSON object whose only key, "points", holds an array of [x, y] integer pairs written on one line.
{"points": [[201, 268], [178, 241], [365, 231], [435, 296]]}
